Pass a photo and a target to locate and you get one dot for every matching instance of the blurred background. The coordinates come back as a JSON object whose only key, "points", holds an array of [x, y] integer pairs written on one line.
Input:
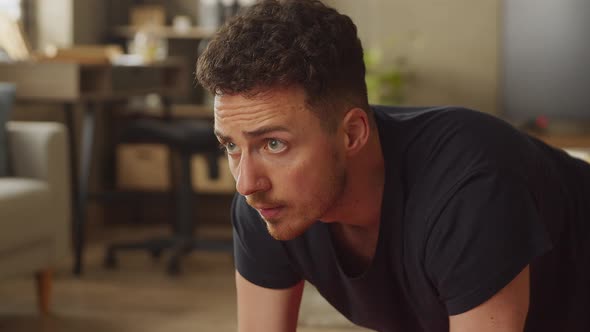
{"points": [[113, 197]]}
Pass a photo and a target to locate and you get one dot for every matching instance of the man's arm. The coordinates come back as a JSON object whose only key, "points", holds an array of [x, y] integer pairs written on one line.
{"points": [[265, 309], [506, 311]]}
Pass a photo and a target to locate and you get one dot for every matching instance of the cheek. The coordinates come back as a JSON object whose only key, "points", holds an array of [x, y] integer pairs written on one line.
{"points": [[305, 177]]}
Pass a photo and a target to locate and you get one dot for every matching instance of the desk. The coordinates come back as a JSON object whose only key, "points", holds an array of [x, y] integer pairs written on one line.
{"points": [[90, 86], [577, 145], [565, 140]]}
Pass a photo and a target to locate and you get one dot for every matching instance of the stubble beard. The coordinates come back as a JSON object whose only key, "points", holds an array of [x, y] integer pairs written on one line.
{"points": [[291, 226]]}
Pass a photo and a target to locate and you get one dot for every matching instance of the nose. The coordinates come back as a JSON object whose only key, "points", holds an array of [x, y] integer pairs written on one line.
{"points": [[250, 177]]}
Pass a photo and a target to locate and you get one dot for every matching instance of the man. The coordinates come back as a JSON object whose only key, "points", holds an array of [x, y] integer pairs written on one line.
{"points": [[404, 219]]}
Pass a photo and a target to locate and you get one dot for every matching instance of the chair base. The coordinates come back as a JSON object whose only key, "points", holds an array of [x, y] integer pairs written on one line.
{"points": [[179, 246], [185, 138]]}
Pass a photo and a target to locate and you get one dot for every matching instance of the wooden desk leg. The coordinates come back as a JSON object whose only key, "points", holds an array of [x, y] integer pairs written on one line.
{"points": [[43, 279], [88, 127], [74, 167]]}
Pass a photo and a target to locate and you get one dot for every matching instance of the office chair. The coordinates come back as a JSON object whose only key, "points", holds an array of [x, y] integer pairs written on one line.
{"points": [[185, 138]]}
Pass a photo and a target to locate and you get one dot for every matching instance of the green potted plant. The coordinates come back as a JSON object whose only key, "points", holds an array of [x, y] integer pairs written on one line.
{"points": [[385, 82]]}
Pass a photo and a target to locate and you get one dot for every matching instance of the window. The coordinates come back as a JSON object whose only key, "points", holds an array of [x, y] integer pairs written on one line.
{"points": [[11, 8]]}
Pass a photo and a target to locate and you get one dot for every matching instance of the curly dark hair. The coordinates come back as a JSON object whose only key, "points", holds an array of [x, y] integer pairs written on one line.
{"points": [[282, 43]]}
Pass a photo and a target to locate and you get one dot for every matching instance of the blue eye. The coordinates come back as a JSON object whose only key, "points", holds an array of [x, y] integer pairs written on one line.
{"points": [[275, 145], [229, 148]]}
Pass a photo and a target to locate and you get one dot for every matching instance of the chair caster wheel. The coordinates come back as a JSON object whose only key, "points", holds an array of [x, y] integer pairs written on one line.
{"points": [[156, 253], [173, 268], [110, 260]]}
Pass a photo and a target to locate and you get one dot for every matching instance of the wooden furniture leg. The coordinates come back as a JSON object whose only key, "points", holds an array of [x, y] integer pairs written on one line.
{"points": [[44, 289]]}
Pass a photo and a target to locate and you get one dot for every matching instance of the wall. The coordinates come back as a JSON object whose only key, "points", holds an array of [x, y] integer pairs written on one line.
{"points": [[64, 23], [55, 23], [450, 46], [90, 21], [119, 9]]}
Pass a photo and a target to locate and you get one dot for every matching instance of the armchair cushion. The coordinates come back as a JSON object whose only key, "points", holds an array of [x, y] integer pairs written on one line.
{"points": [[7, 92], [24, 210]]}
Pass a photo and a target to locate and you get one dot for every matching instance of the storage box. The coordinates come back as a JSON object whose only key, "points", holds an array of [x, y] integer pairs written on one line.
{"points": [[202, 183], [153, 15], [143, 167]]}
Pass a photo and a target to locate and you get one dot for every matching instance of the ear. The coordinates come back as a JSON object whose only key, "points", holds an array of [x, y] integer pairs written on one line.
{"points": [[356, 129]]}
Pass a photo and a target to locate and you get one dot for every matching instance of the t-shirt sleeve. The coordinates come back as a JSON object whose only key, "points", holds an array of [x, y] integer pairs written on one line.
{"points": [[258, 257], [488, 231]]}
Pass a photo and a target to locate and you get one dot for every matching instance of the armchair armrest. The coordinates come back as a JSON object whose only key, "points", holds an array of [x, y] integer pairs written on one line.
{"points": [[39, 150]]}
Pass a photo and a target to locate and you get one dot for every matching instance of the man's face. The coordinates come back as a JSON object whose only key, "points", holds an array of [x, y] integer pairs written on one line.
{"points": [[290, 169]]}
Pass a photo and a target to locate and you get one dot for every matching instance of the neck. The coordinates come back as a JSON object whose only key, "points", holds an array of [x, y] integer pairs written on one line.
{"points": [[356, 231], [360, 205]]}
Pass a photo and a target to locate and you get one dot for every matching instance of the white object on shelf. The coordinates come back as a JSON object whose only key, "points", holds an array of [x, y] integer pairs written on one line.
{"points": [[148, 44], [246, 3], [209, 14], [181, 23]]}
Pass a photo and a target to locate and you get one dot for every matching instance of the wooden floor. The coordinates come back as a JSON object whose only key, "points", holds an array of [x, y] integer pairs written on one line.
{"points": [[140, 297]]}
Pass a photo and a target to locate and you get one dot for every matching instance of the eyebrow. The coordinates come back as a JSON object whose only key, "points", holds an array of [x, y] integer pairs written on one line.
{"points": [[254, 133]]}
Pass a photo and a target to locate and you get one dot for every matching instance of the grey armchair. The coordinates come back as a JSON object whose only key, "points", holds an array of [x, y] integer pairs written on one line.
{"points": [[35, 203]]}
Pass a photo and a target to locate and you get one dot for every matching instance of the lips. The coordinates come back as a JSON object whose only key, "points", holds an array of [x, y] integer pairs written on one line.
{"points": [[269, 212]]}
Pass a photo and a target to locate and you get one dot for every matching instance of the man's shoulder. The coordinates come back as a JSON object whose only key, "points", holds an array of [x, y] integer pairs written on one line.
{"points": [[448, 134], [404, 113], [420, 116], [429, 128], [440, 148]]}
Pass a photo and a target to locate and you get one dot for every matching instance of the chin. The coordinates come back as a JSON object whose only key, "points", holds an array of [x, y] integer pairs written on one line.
{"points": [[283, 231]]}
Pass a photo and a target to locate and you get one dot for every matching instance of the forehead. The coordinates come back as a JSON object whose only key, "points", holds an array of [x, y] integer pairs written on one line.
{"points": [[271, 104]]}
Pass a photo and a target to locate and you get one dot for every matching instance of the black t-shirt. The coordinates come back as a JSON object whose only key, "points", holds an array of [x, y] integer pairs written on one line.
{"points": [[468, 202]]}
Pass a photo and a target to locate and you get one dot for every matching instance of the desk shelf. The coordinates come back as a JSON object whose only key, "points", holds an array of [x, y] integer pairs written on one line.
{"points": [[127, 31], [74, 82]]}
